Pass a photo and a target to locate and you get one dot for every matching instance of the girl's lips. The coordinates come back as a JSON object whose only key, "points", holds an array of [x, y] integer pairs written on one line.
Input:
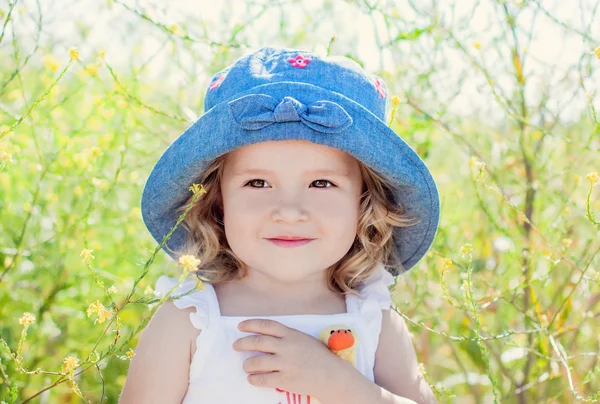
{"points": [[289, 243]]}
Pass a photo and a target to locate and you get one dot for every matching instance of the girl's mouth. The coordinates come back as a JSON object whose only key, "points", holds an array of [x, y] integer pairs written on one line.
{"points": [[289, 243]]}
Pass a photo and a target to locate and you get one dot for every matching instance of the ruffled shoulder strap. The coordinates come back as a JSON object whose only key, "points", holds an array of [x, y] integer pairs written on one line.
{"points": [[374, 296], [374, 293], [203, 299]]}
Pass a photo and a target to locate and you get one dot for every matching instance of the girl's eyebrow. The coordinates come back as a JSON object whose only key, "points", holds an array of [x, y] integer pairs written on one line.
{"points": [[255, 171]]}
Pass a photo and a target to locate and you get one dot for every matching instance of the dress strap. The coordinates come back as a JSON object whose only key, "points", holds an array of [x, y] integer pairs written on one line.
{"points": [[203, 299], [374, 293], [374, 296]]}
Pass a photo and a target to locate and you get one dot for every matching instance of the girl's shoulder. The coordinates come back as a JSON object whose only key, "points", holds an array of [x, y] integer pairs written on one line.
{"points": [[170, 317], [194, 297], [193, 301]]}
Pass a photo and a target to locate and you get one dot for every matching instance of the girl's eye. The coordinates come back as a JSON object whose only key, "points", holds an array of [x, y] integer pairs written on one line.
{"points": [[263, 181], [324, 181], [251, 181]]}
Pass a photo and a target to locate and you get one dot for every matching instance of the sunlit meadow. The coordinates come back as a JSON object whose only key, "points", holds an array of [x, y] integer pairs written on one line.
{"points": [[498, 97]]}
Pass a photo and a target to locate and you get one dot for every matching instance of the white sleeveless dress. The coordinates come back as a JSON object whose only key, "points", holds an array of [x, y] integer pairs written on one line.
{"points": [[216, 372]]}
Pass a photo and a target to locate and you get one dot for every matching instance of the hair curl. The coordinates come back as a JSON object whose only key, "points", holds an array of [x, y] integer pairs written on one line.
{"points": [[374, 243]]}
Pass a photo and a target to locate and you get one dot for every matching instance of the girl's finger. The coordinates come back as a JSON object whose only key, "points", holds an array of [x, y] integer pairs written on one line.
{"points": [[261, 363], [272, 379], [263, 326], [257, 342]]}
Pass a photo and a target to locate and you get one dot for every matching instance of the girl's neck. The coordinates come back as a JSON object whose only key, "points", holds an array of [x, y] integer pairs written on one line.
{"points": [[258, 296]]}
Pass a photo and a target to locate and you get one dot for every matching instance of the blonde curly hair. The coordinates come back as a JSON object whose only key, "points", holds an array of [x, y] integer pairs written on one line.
{"points": [[374, 243]]}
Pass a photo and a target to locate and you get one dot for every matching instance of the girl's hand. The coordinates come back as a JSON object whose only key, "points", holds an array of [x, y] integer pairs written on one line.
{"points": [[297, 362]]}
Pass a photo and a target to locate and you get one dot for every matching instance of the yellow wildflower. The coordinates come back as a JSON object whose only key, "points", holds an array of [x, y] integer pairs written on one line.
{"points": [[51, 63], [130, 353], [4, 156], [70, 363], [395, 101], [95, 151], [74, 53], [447, 263], [98, 101], [94, 307], [104, 315], [593, 177], [466, 249], [92, 69], [135, 213], [176, 29], [477, 45], [597, 52], [189, 262], [87, 156], [197, 188], [81, 160], [27, 319], [98, 308], [86, 254]]}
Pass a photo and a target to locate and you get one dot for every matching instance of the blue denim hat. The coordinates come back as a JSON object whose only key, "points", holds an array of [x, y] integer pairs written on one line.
{"points": [[281, 94]]}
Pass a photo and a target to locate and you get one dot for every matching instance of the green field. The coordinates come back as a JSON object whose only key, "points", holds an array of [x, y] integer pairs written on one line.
{"points": [[499, 98]]}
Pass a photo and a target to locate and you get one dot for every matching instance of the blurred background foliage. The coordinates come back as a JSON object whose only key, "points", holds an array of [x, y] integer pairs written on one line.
{"points": [[499, 97]]}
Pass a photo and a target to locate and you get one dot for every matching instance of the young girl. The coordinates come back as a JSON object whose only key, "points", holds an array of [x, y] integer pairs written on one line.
{"points": [[312, 206]]}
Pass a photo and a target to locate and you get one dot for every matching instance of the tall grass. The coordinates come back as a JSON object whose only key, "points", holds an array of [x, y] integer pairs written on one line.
{"points": [[503, 308]]}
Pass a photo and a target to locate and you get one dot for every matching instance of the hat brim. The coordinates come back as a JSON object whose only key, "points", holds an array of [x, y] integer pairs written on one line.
{"points": [[368, 139]]}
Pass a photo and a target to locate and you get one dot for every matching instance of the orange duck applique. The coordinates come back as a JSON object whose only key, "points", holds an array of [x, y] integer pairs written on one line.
{"points": [[341, 341]]}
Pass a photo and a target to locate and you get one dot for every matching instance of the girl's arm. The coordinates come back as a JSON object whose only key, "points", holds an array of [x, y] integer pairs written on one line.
{"points": [[159, 369], [396, 364]]}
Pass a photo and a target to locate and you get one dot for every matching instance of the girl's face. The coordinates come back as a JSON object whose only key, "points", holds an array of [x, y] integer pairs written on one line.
{"points": [[292, 194]]}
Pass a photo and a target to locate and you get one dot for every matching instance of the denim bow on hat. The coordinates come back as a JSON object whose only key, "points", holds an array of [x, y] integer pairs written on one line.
{"points": [[255, 111]]}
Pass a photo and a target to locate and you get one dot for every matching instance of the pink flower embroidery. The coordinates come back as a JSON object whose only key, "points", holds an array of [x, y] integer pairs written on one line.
{"points": [[379, 87], [299, 61], [218, 81]]}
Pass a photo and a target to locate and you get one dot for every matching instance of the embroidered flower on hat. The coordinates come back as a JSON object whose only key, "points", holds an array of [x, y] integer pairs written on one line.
{"points": [[217, 82], [299, 61], [380, 88]]}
